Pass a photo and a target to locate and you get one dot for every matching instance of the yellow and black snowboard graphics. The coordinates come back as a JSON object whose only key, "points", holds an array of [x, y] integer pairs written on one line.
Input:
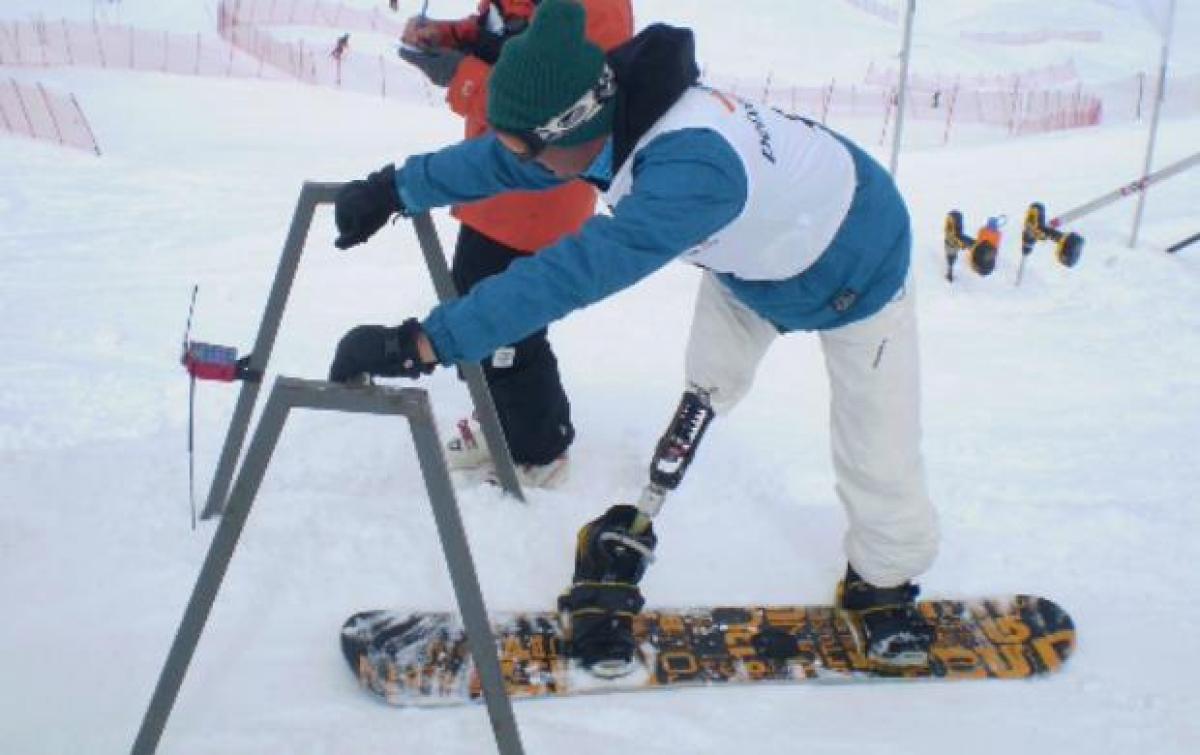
{"points": [[422, 659]]}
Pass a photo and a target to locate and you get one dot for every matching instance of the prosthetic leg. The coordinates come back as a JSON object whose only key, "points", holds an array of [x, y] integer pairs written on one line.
{"points": [[613, 551]]}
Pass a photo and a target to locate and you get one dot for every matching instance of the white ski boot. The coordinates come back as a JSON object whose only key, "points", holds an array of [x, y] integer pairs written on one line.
{"points": [[467, 450]]}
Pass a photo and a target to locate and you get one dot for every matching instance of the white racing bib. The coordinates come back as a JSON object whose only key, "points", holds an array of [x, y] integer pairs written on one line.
{"points": [[800, 182]]}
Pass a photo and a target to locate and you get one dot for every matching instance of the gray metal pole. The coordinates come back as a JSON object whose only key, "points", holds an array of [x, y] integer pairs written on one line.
{"points": [[481, 395], [311, 195], [1158, 101], [211, 575], [466, 583], [1129, 189], [1185, 243], [435, 257], [286, 394], [902, 91]]}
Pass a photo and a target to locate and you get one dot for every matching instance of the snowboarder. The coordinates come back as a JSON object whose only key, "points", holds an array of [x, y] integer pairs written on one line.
{"points": [[523, 376], [340, 47], [795, 228]]}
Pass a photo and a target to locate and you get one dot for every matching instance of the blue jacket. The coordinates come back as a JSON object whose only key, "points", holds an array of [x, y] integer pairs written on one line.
{"points": [[687, 185]]}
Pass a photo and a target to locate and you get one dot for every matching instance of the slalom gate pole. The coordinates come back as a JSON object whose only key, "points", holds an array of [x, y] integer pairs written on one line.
{"points": [[1130, 189], [902, 88], [1159, 95], [1185, 243]]}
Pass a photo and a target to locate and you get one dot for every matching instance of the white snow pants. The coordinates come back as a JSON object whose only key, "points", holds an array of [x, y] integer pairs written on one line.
{"points": [[874, 380]]}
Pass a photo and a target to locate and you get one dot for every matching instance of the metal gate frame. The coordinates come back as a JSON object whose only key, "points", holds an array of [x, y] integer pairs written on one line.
{"points": [[287, 394], [313, 194]]}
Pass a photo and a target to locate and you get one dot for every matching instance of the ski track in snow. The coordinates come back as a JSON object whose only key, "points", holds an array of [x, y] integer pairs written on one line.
{"points": [[1061, 426]]}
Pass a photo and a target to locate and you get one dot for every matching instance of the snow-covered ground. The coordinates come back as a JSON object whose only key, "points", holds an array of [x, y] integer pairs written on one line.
{"points": [[1063, 421]]}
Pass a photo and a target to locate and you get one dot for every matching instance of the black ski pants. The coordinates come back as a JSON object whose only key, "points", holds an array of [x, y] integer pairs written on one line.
{"points": [[525, 383]]}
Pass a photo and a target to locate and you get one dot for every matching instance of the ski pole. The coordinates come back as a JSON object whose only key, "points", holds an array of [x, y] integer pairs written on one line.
{"points": [[1186, 242]]}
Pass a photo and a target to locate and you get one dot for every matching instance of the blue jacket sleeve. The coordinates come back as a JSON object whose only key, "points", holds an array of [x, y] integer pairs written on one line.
{"points": [[686, 186], [464, 172]]}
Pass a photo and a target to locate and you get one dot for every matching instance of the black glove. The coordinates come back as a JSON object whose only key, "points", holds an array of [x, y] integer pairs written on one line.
{"points": [[439, 64], [363, 207], [378, 350]]}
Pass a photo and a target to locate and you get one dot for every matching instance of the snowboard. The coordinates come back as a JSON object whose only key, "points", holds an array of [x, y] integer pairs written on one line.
{"points": [[422, 659]]}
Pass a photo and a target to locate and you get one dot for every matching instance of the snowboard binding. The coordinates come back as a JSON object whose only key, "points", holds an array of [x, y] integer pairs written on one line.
{"points": [[981, 250], [597, 610], [895, 634]]}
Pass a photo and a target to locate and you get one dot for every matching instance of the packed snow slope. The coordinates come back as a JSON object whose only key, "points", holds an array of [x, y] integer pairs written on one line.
{"points": [[1062, 426]]}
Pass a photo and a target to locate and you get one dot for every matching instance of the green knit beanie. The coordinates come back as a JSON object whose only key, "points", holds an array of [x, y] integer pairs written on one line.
{"points": [[544, 71]]}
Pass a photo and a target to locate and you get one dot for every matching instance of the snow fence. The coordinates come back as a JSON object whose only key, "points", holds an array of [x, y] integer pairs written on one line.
{"points": [[36, 112]]}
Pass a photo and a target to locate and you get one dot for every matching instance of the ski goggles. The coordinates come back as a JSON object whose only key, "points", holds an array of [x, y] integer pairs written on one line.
{"points": [[529, 143]]}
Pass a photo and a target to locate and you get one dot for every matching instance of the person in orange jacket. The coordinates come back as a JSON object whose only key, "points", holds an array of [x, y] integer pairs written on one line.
{"points": [[524, 377]]}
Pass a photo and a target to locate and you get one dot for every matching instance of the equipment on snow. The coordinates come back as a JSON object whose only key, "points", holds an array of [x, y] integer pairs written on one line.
{"points": [[207, 361], [1185, 243], [982, 249], [1068, 247], [1128, 190], [287, 395], [1071, 245], [422, 659]]}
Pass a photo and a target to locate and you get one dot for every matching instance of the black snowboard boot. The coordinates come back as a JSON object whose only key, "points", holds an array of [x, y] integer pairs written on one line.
{"points": [[895, 633], [611, 555]]}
